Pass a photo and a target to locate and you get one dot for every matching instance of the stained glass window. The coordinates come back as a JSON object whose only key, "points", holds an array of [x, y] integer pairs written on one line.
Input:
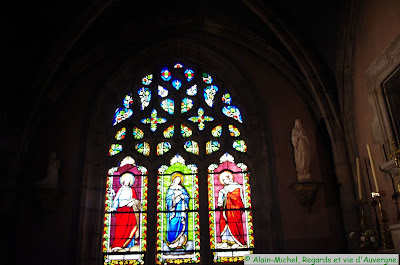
{"points": [[125, 220], [186, 105], [163, 147], [229, 204], [192, 147], [212, 146], [217, 131], [186, 131], [192, 91], [169, 132], [153, 121], [143, 148], [168, 105], [137, 133], [120, 134], [178, 225], [233, 131]]}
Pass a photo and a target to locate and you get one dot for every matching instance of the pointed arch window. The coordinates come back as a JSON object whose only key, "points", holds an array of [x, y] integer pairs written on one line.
{"points": [[182, 122]]}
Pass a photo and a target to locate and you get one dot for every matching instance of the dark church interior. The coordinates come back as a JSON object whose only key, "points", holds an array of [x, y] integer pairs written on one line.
{"points": [[329, 70]]}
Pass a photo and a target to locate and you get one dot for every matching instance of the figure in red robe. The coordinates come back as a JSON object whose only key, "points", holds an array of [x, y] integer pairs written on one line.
{"points": [[125, 204], [230, 199]]}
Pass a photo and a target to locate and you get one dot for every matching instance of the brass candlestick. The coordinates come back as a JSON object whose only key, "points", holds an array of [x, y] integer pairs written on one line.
{"points": [[386, 236]]}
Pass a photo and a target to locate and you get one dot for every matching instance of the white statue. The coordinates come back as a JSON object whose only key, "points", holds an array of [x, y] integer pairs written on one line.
{"points": [[301, 146]]}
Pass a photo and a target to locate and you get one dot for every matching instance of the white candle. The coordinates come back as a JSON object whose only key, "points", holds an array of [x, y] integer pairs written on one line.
{"points": [[372, 167], [358, 178]]}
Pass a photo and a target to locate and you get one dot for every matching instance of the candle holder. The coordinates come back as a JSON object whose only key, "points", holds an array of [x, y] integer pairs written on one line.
{"points": [[385, 235], [367, 238]]}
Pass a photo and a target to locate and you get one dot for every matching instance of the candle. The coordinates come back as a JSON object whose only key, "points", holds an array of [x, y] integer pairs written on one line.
{"points": [[358, 178], [372, 167]]}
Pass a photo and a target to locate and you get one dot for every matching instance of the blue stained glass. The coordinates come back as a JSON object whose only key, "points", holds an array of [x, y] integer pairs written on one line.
{"points": [[165, 74], [189, 74], [122, 114], [162, 92], [168, 105], [186, 105], [145, 97], [209, 94], [178, 65], [192, 91], [128, 100], [232, 112], [177, 84]]}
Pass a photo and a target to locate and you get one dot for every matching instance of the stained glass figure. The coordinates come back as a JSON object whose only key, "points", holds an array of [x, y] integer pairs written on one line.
{"points": [[165, 74], [162, 92], [137, 133], [192, 91], [201, 119], [122, 114], [212, 146], [145, 97], [209, 94], [186, 131], [163, 147], [189, 74], [125, 220], [207, 78], [226, 98], [143, 148], [178, 224], [230, 215], [128, 100], [176, 84], [234, 132], [178, 65], [120, 134], [153, 120], [217, 131], [240, 145], [232, 112], [186, 105], [168, 105], [114, 149], [192, 147], [147, 80], [169, 132]]}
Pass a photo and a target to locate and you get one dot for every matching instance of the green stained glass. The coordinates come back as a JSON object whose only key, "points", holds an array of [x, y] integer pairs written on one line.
{"points": [[137, 133], [186, 131], [143, 148], [169, 132], [114, 149], [163, 147], [217, 131], [192, 147], [233, 131], [240, 145], [226, 98], [120, 134], [200, 119], [212, 146], [153, 120]]}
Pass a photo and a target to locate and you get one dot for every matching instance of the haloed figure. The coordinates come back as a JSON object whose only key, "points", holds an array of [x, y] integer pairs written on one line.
{"points": [[125, 204], [177, 201], [230, 200]]}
